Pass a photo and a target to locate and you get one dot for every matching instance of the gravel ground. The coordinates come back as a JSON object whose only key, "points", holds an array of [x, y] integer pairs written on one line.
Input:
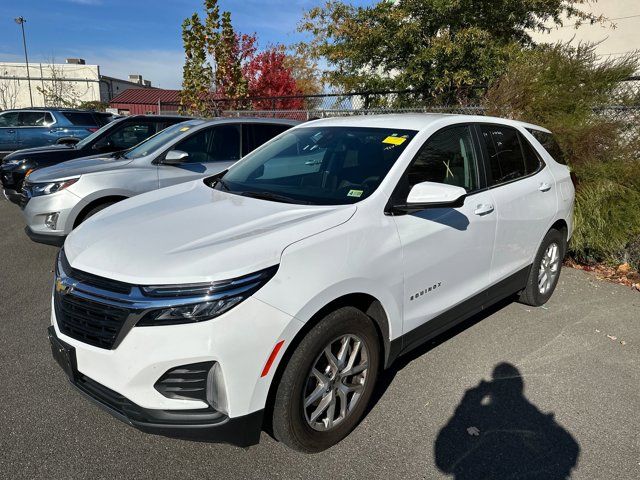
{"points": [[565, 399]]}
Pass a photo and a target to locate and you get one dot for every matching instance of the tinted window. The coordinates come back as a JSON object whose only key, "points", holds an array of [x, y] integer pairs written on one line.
{"points": [[506, 161], [446, 157], [103, 118], [532, 159], [548, 141], [255, 134], [80, 118], [34, 119], [128, 136], [9, 119], [220, 143], [319, 165]]}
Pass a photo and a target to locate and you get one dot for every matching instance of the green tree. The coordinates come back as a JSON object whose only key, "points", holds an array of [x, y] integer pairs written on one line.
{"points": [[197, 74], [437, 47], [568, 89]]}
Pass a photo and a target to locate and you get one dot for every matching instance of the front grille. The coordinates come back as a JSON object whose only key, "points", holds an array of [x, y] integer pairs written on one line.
{"points": [[94, 280], [88, 321]]}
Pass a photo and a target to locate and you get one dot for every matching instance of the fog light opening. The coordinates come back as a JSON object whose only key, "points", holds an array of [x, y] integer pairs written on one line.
{"points": [[51, 220], [217, 390]]}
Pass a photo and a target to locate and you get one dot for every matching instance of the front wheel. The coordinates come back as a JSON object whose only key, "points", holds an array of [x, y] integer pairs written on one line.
{"points": [[327, 383], [545, 270]]}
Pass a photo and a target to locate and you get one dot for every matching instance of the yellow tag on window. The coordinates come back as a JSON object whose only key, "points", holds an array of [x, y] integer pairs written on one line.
{"points": [[394, 140], [184, 129], [355, 193]]}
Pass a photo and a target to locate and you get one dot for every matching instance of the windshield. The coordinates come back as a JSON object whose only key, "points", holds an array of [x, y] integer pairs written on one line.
{"points": [[158, 140], [318, 166], [98, 133]]}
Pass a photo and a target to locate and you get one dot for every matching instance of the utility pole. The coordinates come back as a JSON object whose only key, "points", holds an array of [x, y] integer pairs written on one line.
{"points": [[20, 21]]}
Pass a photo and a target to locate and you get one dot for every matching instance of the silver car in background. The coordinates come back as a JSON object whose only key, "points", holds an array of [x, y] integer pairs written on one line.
{"points": [[58, 198]]}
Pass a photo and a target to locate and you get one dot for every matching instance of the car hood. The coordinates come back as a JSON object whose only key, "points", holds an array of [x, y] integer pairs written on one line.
{"points": [[79, 166], [191, 233], [27, 152]]}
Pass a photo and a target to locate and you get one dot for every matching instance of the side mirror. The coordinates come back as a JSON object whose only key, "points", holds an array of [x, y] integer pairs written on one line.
{"points": [[433, 195], [67, 141], [175, 157]]}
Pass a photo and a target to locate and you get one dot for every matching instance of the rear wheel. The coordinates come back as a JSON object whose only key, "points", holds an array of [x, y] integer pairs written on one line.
{"points": [[328, 382], [545, 270]]}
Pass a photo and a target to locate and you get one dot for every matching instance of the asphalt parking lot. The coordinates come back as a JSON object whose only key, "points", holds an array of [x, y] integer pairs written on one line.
{"points": [[577, 360]]}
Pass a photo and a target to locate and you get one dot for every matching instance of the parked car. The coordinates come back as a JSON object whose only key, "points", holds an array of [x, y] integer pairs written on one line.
{"points": [[57, 199], [35, 127], [276, 291], [116, 136]]}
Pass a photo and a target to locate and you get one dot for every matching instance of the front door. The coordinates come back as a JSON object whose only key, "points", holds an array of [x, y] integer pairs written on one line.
{"points": [[211, 150], [446, 251], [8, 131]]}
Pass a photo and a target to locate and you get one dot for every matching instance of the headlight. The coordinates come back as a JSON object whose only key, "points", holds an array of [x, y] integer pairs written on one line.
{"points": [[13, 163], [214, 298], [38, 189]]}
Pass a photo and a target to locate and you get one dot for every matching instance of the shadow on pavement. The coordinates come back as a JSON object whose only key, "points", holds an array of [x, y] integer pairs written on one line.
{"points": [[496, 433]]}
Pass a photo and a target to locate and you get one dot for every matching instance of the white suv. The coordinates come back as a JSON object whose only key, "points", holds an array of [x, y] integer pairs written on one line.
{"points": [[275, 292]]}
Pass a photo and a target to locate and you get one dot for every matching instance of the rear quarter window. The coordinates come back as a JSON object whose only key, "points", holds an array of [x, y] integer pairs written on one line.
{"points": [[550, 144], [84, 119]]}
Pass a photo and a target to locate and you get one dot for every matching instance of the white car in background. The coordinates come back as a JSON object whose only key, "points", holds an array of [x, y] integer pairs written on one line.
{"points": [[57, 199], [277, 291]]}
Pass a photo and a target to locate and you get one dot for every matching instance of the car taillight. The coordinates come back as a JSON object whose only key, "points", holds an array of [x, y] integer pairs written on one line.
{"points": [[93, 129]]}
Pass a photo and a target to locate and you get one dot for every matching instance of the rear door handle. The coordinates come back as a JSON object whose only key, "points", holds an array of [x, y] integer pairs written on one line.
{"points": [[544, 187], [483, 209]]}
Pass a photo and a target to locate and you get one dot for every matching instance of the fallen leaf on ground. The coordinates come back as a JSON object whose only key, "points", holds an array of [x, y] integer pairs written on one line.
{"points": [[473, 431], [612, 337]]}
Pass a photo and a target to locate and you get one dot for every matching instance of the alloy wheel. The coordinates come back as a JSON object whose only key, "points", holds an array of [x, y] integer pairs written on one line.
{"points": [[549, 268]]}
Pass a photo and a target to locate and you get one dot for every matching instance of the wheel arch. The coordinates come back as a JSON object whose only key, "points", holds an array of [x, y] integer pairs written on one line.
{"points": [[366, 303], [93, 204]]}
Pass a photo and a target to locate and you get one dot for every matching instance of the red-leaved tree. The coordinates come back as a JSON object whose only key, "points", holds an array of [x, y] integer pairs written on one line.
{"points": [[268, 76]]}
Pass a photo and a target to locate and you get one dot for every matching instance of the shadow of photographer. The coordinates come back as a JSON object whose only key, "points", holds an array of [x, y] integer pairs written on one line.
{"points": [[496, 433]]}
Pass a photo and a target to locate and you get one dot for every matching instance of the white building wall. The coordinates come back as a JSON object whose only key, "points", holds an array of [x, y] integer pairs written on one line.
{"points": [[74, 83]]}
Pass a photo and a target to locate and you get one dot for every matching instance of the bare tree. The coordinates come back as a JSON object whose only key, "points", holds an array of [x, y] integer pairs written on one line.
{"points": [[59, 91], [9, 88]]}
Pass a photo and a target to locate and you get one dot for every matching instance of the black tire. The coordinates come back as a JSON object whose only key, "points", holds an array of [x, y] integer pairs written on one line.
{"points": [[290, 425], [531, 295], [93, 211]]}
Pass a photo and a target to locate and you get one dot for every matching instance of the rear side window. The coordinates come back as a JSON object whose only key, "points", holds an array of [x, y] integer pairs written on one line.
{"points": [[84, 119], [35, 119], [506, 159], [532, 160], [255, 134], [548, 141], [103, 118]]}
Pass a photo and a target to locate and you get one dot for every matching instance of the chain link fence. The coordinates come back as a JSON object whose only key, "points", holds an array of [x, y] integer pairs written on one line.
{"points": [[309, 107]]}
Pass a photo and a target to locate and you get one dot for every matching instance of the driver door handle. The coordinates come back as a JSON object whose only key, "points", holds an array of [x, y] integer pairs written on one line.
{"points": [[483, 209], [544, 187]]}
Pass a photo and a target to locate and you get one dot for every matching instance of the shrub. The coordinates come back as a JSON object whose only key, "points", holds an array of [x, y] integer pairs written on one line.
{"points": [[566, 89]]}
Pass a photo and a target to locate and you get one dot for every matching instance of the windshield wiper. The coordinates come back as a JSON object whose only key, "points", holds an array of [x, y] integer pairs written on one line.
{"points": [[276, 197]]}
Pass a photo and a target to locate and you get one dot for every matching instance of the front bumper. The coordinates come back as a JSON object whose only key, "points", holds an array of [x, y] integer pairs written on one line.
{"points": [[36, 210], [204, 424]]}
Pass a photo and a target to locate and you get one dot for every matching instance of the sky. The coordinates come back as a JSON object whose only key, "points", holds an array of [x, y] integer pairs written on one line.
{"points": [[134, 36]]}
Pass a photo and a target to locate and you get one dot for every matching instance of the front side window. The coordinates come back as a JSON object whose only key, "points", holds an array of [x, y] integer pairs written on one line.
{"points": [[221, 143], [9, 119], [159, 140], [447, 157], [127, 136], [318, 165], [506, 160]]}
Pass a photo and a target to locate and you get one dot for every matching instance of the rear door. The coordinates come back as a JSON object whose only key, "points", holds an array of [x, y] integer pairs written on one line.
{"points": [[8, 131], [446, 251], [523, 191], [36, 129], [210, 150]]}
